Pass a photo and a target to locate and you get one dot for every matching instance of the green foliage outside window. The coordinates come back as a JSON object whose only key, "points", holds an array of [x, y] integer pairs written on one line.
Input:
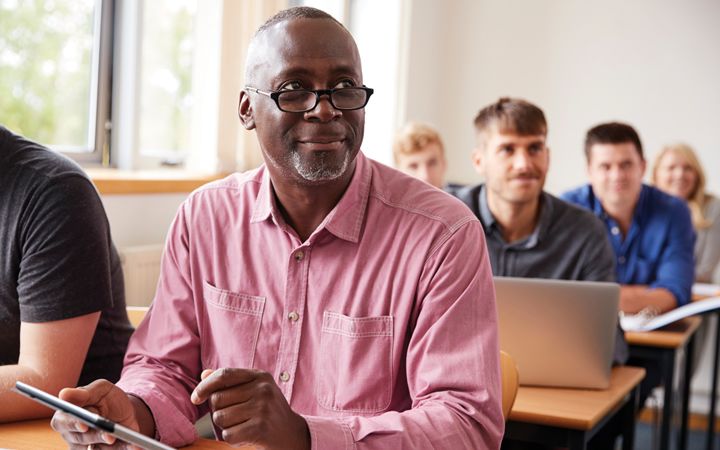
{"points": [[45, 69]]}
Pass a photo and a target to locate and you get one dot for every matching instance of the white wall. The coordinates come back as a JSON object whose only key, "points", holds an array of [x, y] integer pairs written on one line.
{"points": [[141, 219], [652, 63]]}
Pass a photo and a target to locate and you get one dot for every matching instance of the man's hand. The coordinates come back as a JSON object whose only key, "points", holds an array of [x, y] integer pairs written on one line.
{"points": [[250, 409], [634, 298], [101, 397]]}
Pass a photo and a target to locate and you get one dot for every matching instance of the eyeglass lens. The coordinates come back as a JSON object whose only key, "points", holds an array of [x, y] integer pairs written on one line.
{"points": [[347, 98]]}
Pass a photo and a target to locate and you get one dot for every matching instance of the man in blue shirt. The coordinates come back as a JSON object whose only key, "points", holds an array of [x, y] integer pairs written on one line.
{"points": [[651, 232]]}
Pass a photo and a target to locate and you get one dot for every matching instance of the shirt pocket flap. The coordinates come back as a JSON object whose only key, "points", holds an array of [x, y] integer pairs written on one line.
{"points": [[233, 301], [357, 327]]}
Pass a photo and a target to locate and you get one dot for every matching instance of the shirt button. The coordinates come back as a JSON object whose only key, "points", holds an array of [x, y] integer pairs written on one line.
{"points": [[621, 260], [293, 316], [284, 377], [299, 255], [615, 230]]}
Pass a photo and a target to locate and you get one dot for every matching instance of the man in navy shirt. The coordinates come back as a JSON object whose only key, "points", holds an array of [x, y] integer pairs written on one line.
{"points": [[651, 232]]}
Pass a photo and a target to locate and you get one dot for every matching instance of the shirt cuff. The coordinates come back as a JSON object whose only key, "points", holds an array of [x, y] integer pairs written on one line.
{"points": [[329, 434], [174, 429]]}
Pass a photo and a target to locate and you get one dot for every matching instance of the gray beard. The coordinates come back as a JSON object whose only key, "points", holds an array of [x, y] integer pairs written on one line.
{"points": [[323, 168]]}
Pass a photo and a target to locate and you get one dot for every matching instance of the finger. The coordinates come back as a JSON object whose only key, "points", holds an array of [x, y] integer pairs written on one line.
{"points": [[206, 373], [232, 415], [108, 438], [243, 434], [88, 437], [222, 379], [62, 423]]}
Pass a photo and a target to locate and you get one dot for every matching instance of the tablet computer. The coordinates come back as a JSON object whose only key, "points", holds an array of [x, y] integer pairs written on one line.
{"points": [[94, 420]]}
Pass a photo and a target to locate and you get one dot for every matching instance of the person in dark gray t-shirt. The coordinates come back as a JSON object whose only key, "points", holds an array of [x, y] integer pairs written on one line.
{"points": [[62, 305]]}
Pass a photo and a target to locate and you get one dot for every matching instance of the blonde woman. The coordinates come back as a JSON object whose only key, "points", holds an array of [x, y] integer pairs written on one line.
{"points": [[677, 171]]}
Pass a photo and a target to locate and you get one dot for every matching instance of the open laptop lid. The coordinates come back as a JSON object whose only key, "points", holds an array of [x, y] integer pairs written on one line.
{"points": [[560, 333]]}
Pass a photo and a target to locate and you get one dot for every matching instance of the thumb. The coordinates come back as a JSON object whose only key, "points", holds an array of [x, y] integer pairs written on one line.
{"points": [[77, 396], [89, 395]]}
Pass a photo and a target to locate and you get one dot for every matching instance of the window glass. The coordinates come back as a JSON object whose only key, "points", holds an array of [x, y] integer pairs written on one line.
{"points": [[166, 77], [46, 56]]}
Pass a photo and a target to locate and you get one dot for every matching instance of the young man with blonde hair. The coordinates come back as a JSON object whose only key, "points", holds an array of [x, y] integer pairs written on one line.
{"points": [[419, 152]]}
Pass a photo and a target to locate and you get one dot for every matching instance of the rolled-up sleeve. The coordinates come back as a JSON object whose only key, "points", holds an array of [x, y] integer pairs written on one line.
{"points": [[162, 363], [452, 365], [676, 266]]}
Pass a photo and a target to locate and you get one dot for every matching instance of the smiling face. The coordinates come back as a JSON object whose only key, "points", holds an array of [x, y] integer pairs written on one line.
{"points": [[675, 175], [616, 174], [317, 146], [514, 167]]}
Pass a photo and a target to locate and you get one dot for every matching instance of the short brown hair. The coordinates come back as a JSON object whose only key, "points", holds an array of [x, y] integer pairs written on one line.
{"points": [[612, 133], [512, 115], [414, 137]]}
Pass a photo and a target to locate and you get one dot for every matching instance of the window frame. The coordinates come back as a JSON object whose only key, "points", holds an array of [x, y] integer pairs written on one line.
{"points": [[99, 119]]}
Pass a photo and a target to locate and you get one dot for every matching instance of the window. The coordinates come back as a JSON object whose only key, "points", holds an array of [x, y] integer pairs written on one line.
{"points": [[58, 56], [140, 84], [51, 54]]}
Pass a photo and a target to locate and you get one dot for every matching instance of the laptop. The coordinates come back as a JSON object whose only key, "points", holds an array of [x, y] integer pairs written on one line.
{"points": [[560, 333]]}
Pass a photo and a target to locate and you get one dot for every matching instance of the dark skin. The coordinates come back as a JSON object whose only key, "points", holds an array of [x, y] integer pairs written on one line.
{"points": [[311, 62], [310, 158]]}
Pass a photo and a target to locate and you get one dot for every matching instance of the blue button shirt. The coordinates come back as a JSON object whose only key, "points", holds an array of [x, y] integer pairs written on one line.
{"points": [[658, 249]]}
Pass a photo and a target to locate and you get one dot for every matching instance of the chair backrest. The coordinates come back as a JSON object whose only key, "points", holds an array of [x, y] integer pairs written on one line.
{"points": [[136, 314], [510, 380]]}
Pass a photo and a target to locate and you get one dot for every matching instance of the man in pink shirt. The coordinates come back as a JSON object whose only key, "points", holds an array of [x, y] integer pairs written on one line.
{"points": [[322, 301]]}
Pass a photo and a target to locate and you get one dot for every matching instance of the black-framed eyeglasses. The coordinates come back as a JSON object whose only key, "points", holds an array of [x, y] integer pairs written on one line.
{"points": [[304, 100]]}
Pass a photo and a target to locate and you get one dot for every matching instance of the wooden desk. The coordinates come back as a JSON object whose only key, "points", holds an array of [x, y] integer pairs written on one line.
{"points": [[571, 417], [710, 437], [37, 435], [663, 345]]}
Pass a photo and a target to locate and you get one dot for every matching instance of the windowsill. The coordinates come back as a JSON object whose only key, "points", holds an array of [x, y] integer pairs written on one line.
{"points": [[113, 181]]}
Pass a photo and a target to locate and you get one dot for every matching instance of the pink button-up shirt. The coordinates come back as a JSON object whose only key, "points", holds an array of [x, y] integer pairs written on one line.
{"points": [[380, 329]]}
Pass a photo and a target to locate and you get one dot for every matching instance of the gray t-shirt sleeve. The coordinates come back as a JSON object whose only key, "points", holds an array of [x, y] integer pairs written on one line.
{"points": [[65, 267], [599, 257]]}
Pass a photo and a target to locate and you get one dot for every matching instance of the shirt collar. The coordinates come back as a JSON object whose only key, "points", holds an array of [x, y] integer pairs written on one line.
{"points": [[531, 241], [640, 206], [485, 215], [346, 218]]}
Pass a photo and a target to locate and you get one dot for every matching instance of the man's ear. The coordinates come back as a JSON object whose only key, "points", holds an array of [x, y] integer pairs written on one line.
{"points": [[245, 111], [477, 160]]}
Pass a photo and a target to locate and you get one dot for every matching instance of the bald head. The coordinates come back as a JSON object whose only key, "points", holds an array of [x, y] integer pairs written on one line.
{"points": [[271, 34]]}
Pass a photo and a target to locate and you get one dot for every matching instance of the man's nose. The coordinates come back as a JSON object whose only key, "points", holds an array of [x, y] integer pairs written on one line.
{"points": [[616, 173], [521, 160], [324, 110]]}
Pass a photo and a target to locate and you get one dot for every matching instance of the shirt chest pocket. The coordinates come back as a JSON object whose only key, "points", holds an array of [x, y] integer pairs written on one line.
{"points": [[355, 363], [230, 328]]}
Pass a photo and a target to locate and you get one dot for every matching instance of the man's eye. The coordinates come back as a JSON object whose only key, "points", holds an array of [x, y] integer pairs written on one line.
{"points": [[291, 85], [344, 84]]}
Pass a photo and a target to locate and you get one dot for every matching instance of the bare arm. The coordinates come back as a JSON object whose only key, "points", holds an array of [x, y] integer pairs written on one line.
{"points": [[51, 357], [637, 297]]}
